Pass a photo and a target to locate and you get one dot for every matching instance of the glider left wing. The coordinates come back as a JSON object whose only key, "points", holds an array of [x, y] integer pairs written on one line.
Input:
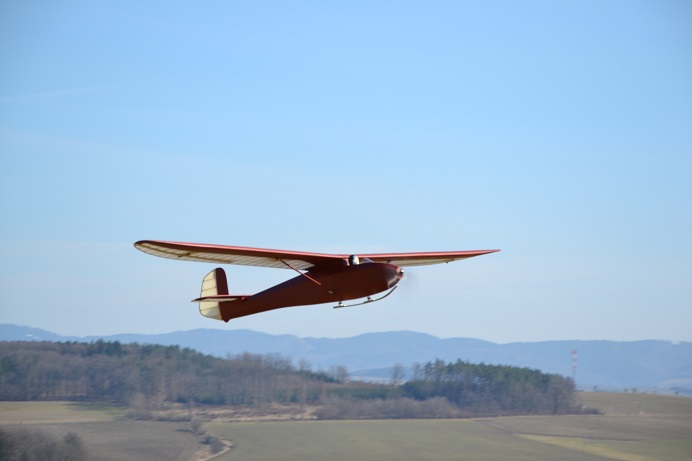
{"points": [[243, 256]]}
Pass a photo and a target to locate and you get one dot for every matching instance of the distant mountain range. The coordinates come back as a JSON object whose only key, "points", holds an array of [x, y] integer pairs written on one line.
{"points": [[648, 364]]}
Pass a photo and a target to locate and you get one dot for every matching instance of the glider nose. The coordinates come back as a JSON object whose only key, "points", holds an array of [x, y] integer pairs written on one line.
{"points": [[394, 277]]}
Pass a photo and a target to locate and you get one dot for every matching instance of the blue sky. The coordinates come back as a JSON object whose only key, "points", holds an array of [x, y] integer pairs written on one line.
{"points": [[559, 132]]}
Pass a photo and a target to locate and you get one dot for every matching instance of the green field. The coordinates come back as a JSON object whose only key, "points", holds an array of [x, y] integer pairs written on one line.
{"points": [[662, 431], [635, 427], [383, 441]]}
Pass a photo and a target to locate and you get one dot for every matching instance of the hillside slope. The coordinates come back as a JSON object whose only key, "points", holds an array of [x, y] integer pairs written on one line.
{"points": [[605, 364]]}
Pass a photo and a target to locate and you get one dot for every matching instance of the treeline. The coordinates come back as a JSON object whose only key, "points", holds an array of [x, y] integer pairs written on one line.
{"points": [[478, 389], [460, 389], [120, 373], [147, 377]]}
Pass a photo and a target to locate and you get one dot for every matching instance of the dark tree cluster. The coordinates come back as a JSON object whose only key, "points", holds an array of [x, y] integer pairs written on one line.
{"points": [[481, 389], [23, 444]]}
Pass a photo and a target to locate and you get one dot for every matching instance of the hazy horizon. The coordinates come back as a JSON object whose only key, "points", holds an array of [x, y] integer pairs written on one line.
{"points": [[344, 337]]}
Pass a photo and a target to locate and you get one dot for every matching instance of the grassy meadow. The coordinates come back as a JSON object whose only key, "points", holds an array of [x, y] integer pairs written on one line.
{"points": [[635, 427], [384, 440]]}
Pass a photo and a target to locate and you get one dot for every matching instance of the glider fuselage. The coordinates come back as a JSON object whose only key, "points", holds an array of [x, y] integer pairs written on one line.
{"points": [[318, 286]]}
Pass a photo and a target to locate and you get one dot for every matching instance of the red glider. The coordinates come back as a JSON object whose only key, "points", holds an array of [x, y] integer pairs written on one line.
{"points": [[326, 278]]}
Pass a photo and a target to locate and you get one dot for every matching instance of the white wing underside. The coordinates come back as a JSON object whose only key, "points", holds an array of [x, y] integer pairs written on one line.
{"points": [[205, 256]]}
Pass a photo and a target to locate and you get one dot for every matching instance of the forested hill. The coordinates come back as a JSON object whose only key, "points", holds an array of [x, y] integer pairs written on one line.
{"points": [[606, 364], [151, 376]]}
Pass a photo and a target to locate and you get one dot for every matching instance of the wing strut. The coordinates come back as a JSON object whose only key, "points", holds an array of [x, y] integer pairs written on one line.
{"points": [[307, 276]]}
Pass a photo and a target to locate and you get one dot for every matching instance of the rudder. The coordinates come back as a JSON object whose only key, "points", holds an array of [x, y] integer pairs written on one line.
{"points": [[213, 284]]}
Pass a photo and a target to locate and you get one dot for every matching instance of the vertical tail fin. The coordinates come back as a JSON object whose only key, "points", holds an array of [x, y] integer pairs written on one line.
{"points": [[213, 284]]}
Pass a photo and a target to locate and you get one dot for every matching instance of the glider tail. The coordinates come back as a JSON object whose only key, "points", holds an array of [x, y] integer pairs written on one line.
{"points": [[214, 293], [214, 284], [214, 296]]}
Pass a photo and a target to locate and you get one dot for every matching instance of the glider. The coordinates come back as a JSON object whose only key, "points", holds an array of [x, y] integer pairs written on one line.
{"points": [[323, 278]]}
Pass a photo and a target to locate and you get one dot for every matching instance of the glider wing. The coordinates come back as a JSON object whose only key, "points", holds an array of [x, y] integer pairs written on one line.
{"points": [[244, 256], [422, 259], [283, 259]]}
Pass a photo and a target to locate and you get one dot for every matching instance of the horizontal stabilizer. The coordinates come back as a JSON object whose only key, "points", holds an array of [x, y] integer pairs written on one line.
{"points": [[220, 298]]}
